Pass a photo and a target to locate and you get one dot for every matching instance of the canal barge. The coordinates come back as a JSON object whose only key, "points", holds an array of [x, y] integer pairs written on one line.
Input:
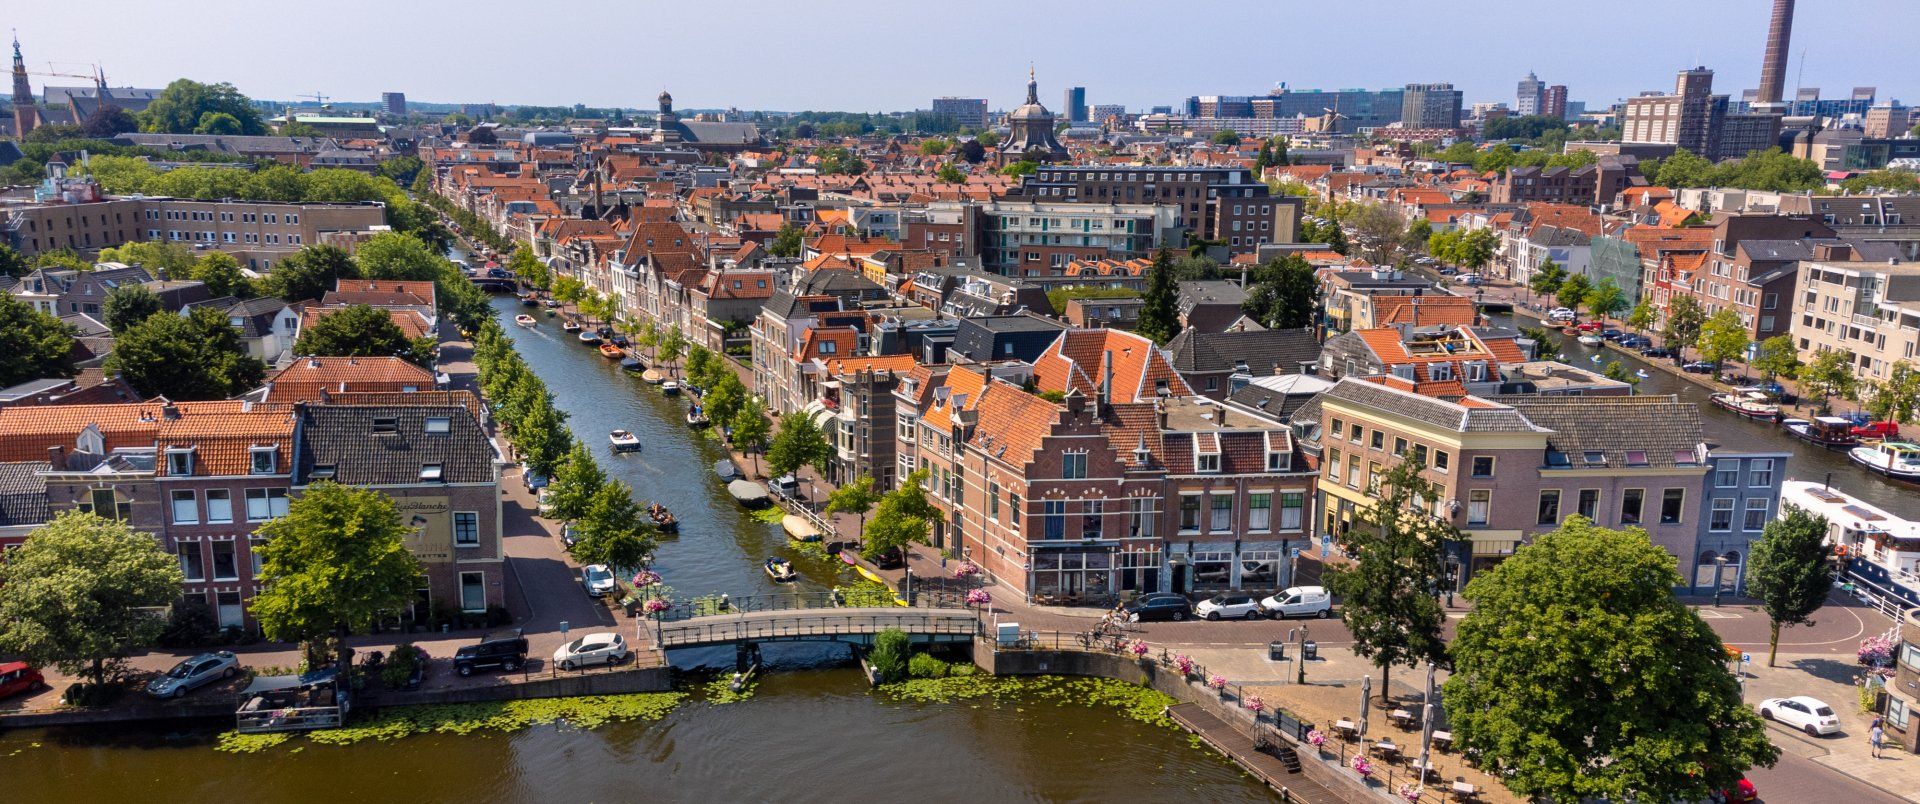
{"points": [[1831, 432], [1752, 403], [1899, 459]]}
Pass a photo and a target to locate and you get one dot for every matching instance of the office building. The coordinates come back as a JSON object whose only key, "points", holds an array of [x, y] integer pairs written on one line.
{"points": [[1076, 105], [964, 112], [1556, 104], [1688, 118], [1531, 99], [1429, 106], [1107, 111], [1230, 205], [395, 103]]}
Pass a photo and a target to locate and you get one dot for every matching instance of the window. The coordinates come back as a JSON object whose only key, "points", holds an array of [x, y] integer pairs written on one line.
{"points": [[1588, 504], [1399, 447], [1293, 509], [219, 506], [1671, 502], [1549, 507], [993, 500], [1260, 511], [1630, 503], [1482, 466], [1726, 473], [265, 504], [1338, 429], [1897, 712], [1357, 432], [1221, 506], [438, 424], [1636, 457], [186, 510], [1054, 518], [1073, 465], [1140, 517], [1722, 518], [1013, 509], [1756, 514], [1594, 457], [1353, 473], [473, 591], [1441, 460], [1420, 455], [1760, 475], [1379, 440], [263, 460], [1373, 477], [466, 529], [225, 567], [190, 562], [1206, 462], [179, 461], [1479, 505], [1333, 465], [1189, 512]]}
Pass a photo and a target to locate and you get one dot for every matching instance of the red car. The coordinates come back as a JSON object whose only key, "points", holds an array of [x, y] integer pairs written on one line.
{"points": [[1742, 793], [17, 678], [1881, 430]]}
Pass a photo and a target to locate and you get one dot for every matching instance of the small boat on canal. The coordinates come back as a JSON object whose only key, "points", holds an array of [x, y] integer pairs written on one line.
{"points": [[695, 418], [570, 325], [670, 388], [726, 470], [799, 529], [524, 320], [1899, 459], [748, 493], [1591, 339], [653, 376], [611, 352], [780, 569], [529, 300], [1831, 432], [1752, 403], [633, 364], [663, 518], [624, 441], [589, 337]]}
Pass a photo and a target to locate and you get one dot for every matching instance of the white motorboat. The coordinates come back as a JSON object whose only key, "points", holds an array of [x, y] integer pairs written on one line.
{"points": [[524, 320], [624, 441], [669, 387], [1899, 459], [1749, 402], [1591, 340]]}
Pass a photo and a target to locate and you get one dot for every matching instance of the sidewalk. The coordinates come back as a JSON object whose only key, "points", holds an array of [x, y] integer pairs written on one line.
{"points": [[1829, 678]]}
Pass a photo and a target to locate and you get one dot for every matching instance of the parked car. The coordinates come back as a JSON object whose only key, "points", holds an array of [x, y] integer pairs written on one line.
{"points": [[499, 273], [192, 674], [784, 487], [1803, 713], [1742, 792], [1560, 314], [20, 678], [605, 647], [1299, 601], [1469, 280], [1160, 606], [507, 651], [1612, 334], [568, 536], [1658, 352], [1589, 327], [597, 579], [1881, 430], [1446, 270], [1632, 342], [1229, 605], [1697, 367]]}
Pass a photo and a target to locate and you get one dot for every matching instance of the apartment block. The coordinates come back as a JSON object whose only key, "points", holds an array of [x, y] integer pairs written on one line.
{"points": [[1867, 310]]}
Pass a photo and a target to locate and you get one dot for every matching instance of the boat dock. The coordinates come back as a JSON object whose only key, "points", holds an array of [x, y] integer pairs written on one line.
{"points": [[1269, 765]]}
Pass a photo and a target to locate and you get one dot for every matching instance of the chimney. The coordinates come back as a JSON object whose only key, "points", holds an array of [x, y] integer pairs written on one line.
{"points": [[1160, 411], [57, 458], [170, 412], [1076, 403], [1106, 378], [1773, 69]]}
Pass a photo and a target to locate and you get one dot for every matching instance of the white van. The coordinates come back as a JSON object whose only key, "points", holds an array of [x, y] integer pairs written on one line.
{"points": [[1299, 601]]}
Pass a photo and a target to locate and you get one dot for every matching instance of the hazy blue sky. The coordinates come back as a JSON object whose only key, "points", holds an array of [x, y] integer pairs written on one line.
{"points": [[871, 55]]}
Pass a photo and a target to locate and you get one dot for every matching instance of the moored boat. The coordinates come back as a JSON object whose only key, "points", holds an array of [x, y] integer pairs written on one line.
{"points": [[588, 337], [1749, 402], [524, 320], [611, 352], [624, 441], [748, 493], [669, 387], [696, 418], [1591, 339], [799, 529], [632, 364], [653, 376], [1899, 459], [1831, 432], [780, 569]]}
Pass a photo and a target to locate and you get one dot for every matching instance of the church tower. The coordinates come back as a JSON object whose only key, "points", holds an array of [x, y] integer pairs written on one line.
{"points": [[1030, 130], [25, 114], [666, 125]]}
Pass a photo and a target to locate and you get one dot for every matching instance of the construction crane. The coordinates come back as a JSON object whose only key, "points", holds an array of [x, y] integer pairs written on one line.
{"points": [[98, 77], [318, 99]]}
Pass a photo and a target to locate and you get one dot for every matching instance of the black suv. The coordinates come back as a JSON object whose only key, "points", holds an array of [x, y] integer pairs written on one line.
{"points": [[507, 651], [1160, 606]]}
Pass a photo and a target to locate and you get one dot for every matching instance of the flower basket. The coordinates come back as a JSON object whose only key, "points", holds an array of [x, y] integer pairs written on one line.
{"points": [[1363, 766], [656, 606], [1254, 704], [1410, 792], [965, 570], [1138, 648], [1218, 683], [1184, 664], [978, 597], [1316, 738], [1876, 651]]}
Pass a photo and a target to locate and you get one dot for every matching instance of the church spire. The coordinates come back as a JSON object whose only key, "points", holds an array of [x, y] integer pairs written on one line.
{"points": [[1033, 86], [25, 115]]}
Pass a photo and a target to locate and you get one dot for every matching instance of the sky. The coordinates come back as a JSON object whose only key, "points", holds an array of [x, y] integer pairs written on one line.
{"points": [[868, 55]]}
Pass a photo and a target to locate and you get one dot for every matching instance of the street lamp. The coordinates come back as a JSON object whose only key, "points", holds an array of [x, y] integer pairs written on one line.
{"points": [[1719, 566]]}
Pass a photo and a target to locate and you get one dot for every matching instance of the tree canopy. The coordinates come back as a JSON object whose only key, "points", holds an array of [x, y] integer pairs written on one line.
{"points": [[574, 483], [1389, 592], [613, 531], [33, 345], [1159, 318], [799, 442], [363, 331], [79, 594], [1578, 675], [902, 517], [128, 305], [1827, 375], [1684, 318], [183, 358], [337, 562], [308, 274], [1285, 294], [190, 107], [1789, 573]]}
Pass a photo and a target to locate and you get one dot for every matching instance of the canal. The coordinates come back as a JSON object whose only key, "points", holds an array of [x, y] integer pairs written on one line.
{"points": [[1728, 431], [812, 732]]}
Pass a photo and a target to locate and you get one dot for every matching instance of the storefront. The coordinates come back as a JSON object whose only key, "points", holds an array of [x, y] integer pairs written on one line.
{"points": [[1073, 576]]}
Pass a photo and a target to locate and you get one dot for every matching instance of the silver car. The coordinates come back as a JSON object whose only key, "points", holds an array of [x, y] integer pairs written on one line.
{"points": [[601, 648], [194, 673]]}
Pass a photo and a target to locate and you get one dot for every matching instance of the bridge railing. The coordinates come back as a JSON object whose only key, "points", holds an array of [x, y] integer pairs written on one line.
{"points": [[789, 601], [823, 624]]}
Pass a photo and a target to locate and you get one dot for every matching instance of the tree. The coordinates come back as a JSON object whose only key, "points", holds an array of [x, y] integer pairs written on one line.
{"points": [[574, 483], [108, 120], [934, 146], [128, 305], [33, 344], [308, 274], [1896, 399], [856, 497], [196, 356], [402, 169], [948, 174], [1573, 292], [541, 438], [1159, 320], [1722, 338], [1682, 327], [1547, 278], [799, 443], [750, 428], [78, 594], [185, 106], [1419, 233], [1684, 169], [613, 531], [163, 259], [1389, 590], [11, 263], [1827, 375], [529, 269], [219, 123], [1640, 318], [362, 331], [1789, 573], [1381, 231], [1286, 296], [1024, 167], [1776, 357], [1578, 675], [221, 273], [1606, 298], [336, 563], [786, 242], [1225, 136], [973, 152], [392, 255], [903, 516], [724, 398], [987, 139], [671, 345]]}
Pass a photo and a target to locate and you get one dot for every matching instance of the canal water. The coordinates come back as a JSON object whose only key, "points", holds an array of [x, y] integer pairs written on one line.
{"points": [[812, 732], [1728, 431]]}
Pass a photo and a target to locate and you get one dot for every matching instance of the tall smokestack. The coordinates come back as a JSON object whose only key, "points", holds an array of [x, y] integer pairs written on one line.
{"points": [[1773, 71]]}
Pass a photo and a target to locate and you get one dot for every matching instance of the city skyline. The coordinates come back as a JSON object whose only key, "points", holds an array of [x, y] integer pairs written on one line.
{"points": [[1837, 53]]}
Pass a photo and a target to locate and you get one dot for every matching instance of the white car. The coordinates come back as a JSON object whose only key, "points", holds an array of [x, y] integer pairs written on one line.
{"points": [[1560, 314], [194, 673], [597, 579], [1300, 601], [1229, 605], [1803, 713], [605, 647]]}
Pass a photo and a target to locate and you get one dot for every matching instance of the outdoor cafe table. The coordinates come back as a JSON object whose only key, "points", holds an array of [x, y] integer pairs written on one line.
{"points": [[1443, 740], [1346, 728], [1402, 718], [1386, 749], [1425, 769]]}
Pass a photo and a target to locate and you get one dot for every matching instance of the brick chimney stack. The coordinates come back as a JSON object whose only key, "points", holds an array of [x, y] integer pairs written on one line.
{"points": [[1773, 70]]}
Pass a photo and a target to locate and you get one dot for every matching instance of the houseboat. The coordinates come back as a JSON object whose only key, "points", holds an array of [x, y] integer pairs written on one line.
{"points": [[1831, 432], [1752, 403], [313, 700], [1879, 553], [1899, 459]]}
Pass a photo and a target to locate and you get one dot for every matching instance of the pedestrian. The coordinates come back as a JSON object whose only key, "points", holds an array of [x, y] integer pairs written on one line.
{"points": [[1874, 736], [1133, 621]]}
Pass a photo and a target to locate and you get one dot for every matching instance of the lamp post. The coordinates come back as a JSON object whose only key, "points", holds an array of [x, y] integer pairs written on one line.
{"points": [[1719, 566]]}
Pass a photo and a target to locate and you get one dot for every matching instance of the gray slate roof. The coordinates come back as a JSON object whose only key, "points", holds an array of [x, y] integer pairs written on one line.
{"points": [[1432, 411], [344, 437], [1660, 426], [1261, 350], [23, 493]]}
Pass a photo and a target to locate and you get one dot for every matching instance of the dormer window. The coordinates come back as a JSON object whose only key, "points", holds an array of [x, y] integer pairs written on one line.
{"points": [[180, 461], [430, 471], [1206, 462], [386, 425], [438, 424], [264, 460]]}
